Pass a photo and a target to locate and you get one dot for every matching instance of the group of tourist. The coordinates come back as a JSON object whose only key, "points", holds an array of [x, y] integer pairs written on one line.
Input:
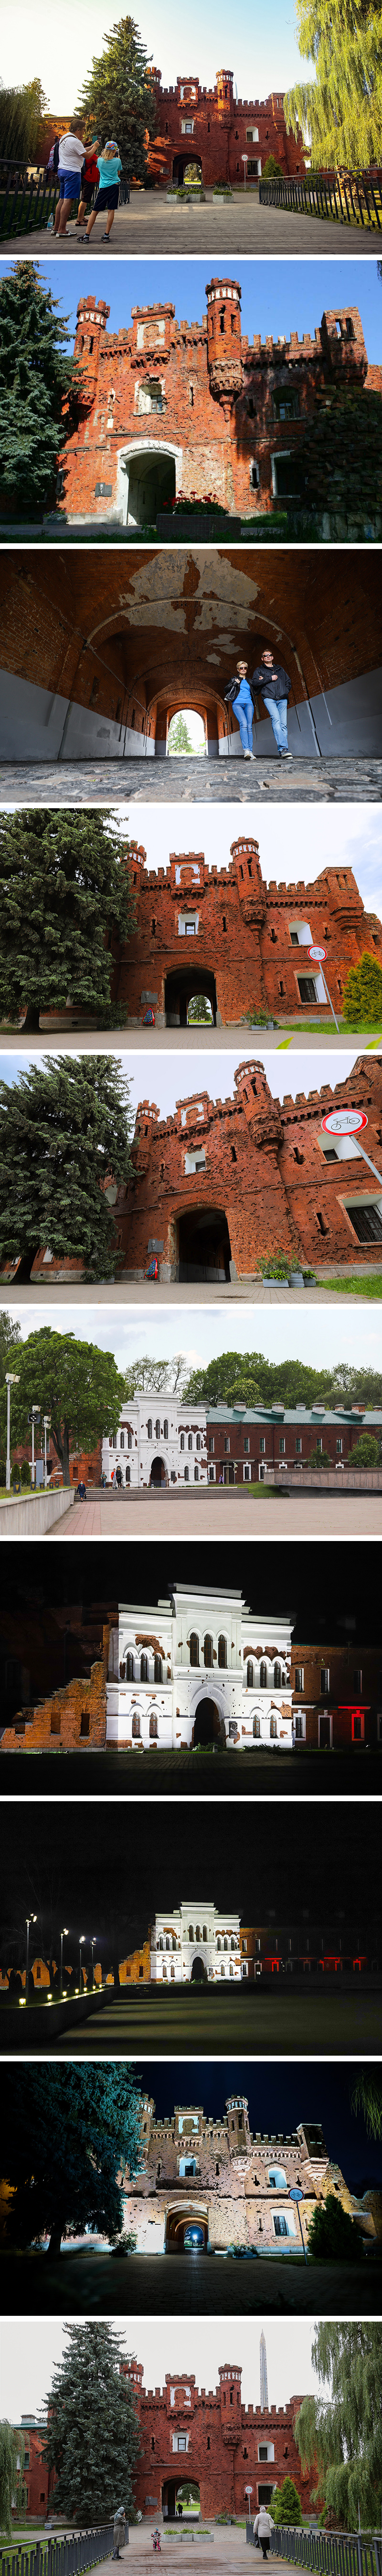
{"points": [[82, 167], [273, 685]]}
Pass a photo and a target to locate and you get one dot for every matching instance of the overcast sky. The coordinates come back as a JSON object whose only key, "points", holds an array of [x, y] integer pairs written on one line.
{"points": [[349, 836], [30, 2346], [321, 1339], [271, 299], [261, 51], [167, 1079]]}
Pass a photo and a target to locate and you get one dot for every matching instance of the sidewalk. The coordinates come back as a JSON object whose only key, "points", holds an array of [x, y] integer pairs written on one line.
{"points": [[150, 228], [193, 782], [166, 1515]]}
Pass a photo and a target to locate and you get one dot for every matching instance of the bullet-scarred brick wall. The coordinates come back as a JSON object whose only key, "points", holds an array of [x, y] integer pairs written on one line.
{"points": [[240, 950], [69, 1718], [222, 2440], [221, 128]]}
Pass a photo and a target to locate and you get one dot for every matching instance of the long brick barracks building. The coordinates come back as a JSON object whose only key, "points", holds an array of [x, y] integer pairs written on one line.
{"points": [[224, 933], [218, 1184], [174, 408]]}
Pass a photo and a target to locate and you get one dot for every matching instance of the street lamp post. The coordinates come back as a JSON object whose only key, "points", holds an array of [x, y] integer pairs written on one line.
{"points": [[34, 1417], [93, 1937], [80, 1946], [10, 1380], [297, 2195], [29, 1918], [47, 1422], [244, 157], [63, 1935]]}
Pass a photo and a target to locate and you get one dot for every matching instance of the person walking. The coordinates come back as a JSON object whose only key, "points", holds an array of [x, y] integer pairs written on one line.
{"points": [[263, 2527], [89, 181], [110, 171], [72, 153], [240, 695], [274, 684], [119, 2532]]}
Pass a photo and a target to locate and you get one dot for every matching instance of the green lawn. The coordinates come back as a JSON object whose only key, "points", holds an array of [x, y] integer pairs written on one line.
{"points": [[371, 1287]]}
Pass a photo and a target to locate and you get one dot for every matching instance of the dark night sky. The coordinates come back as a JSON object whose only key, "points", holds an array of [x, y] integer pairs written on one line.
{"points": [[320, 1585], [278, 2097], [111, 1864]]}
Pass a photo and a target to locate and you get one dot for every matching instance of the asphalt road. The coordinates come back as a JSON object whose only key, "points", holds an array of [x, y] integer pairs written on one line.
{"points": [[149, 228], [354, 780], [96, 2284], [339, 2024]]}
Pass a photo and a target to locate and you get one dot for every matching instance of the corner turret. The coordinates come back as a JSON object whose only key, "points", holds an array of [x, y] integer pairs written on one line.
{"points": [[224, 357]]}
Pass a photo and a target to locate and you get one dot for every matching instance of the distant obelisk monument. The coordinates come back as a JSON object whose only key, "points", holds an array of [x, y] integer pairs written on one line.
{"points": [[264, 2401]]}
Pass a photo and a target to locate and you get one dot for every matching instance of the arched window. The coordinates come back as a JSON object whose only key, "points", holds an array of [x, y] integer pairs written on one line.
{"points": [[158, 1672], [218, 1944], [196, 1475], [249, 1676], [164, 1969], [225, 1942], [186, 1476], [144, 1669], [122, 1440], [208, 1652], [122, 1671], [222, 1972], [190, 1440], [231, 1970], [149, 1428], [198, 1935], [129, 1440], [129, 1668], [194, 1647], [136, 1726], [233, 1942], [172, 1972], [190, 1931], [182, 1439], [153, 1727], [277, 1676], [160, 1942], [165, 1431], [222, 1654], [256, 1726], [263, 1676], [127, 1476], [205, 1933], [198, 1440], [157, 1429]]}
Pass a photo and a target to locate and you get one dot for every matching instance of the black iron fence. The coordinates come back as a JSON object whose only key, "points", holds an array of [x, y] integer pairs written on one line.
{"points": [[333, 2553], [344, 199], [27, 198], [58, 2555]]}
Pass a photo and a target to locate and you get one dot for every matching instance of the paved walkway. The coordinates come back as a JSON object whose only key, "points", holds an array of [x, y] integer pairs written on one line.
{"points": [[88, 2284], [192, 782], [151, 1293], [336, 2024], [173, 1041], [224, 1513], [149, 228]]}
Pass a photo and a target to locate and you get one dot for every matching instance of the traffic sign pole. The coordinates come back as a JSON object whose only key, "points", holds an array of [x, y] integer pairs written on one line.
{"points": [[330, 1000], [346, 1122], [297, 2195], [317, 956]]}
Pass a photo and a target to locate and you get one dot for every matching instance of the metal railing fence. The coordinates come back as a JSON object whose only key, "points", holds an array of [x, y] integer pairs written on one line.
{"points": [[333, 2553], [345, 199], [60, 2555]]}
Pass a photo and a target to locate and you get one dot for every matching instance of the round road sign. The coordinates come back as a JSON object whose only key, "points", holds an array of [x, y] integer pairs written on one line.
{"points": [[317, 955], [344, 1122]]}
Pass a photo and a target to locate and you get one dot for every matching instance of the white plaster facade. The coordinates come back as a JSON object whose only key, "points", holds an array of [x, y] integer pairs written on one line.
{"points": [[198, 1668], [159, 1440], [195, 1933]]}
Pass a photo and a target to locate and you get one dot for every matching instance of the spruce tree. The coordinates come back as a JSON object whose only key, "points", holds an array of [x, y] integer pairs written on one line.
{"points": [[93, 2439], [118, 99], [286, 2505], [69, 2132], [362, 994], [340, 2436], [63, 897], [179, 739], [64, 1138], [347, 425], [340, 111], [40, 389]]}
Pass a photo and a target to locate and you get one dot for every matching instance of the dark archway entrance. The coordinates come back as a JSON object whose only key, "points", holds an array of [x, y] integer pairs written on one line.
{"points": [[209, 1726], [151, 482], [198, 1973], [182, 162], [158, 1472], [204, 1245], [179, 2222], [181, 988]]}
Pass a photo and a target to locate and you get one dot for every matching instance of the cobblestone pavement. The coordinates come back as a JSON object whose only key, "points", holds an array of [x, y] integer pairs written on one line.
{"points": [[325, 1515], [192, 782], [93, 2284], [148, 227]]}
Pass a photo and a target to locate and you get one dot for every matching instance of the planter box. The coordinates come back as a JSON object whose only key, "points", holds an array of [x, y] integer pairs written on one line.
{"points": [[195, 197], [196, 525], [222, 196]]}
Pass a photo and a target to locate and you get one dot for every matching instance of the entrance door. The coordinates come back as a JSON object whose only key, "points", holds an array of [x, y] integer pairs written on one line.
{"points": [[324, 1729], [204, 1245]]}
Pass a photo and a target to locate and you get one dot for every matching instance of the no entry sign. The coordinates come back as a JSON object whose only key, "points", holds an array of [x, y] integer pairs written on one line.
{"points": [[344, 1122], [317, 956]]}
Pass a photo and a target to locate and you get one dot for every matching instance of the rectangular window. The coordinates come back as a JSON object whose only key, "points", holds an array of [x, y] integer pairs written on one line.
{"points": [[247, 1475], [298, 1448], [358, 1725], [366, 1221], [299, 1677], [246, 1445], [262, 1448], [282, 1448], [339, 1448], [357, 1680], [325, 1680], [307, 988], [211, 1445], [226, 1443]]}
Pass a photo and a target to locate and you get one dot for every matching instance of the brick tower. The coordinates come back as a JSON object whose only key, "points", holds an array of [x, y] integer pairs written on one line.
{"points": [[224, 335]]}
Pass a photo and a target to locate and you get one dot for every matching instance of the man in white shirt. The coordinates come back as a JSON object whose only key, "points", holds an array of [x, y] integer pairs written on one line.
{"points": [[72, 154]]}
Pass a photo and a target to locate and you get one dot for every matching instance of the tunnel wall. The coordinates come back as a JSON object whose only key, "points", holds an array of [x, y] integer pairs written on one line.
{"points": [[37, 725]]}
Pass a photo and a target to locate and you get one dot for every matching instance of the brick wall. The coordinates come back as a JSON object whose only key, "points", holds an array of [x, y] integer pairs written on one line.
{"points": [[241, 950], [67, 1719]]}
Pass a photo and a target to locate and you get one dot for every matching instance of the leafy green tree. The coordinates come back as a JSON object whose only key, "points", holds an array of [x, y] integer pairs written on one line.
{"points": [[341, 2435], [93, 2439], [362, 994], [11, 2477], [340, 111], [21, 112], [366, 2096], [68, 2134], [247, 1374], [10, 1338], [347, 421], [156, 1377], [199, 1011], [332, 2235], [40, 389], [286, 2506], [272, 169], [118, 96], [366, 1451], [63, 898], [65, 1129], [76, 1382], [319, 1458]]}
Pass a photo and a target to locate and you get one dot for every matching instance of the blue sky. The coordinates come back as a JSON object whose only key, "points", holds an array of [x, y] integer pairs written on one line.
{"points": [[287, 295], [60, 44]]}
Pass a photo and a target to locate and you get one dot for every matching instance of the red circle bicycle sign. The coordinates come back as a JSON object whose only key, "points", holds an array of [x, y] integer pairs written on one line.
{"points": [[344, 1122]]}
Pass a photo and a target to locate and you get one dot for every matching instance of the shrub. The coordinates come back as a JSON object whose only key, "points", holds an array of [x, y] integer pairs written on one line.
{"points": [[16, 1476], [25, 1472], [272, 169], [362, 995], [367, 1452], [277, 1265], [286, 2505], [3, 1471], [125, 2244], [332, 2235], [320, 1458]]}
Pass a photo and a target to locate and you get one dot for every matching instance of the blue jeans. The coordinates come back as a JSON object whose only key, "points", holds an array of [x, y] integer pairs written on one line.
{"points": [[277, 709], [245, 722]]}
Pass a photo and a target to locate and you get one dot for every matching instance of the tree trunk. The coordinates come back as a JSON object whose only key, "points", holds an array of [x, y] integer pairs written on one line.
{"points": [[54, 2247], [32, 1016], [65, 1455]]}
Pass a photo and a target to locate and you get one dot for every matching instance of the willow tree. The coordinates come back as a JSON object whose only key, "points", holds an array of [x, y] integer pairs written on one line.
{"points": [[11, 2476], [339, 2434], [340, 111]]}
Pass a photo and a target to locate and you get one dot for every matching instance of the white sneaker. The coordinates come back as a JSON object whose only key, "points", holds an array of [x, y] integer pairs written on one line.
{"points": [[248, 755], [252, 755]]}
